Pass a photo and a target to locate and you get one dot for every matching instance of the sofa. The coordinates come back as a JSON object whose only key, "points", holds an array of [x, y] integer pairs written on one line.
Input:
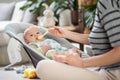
{"points": [[10, 13]]}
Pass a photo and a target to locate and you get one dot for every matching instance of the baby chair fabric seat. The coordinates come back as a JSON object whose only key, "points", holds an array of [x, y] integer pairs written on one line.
{"points": [[13, 29]]}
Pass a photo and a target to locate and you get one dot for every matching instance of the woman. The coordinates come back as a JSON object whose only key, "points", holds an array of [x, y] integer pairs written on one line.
{"points": [[105, 41]]}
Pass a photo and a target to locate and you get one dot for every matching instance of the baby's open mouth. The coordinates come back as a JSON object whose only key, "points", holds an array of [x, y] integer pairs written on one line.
{"points": [[40, 37]]}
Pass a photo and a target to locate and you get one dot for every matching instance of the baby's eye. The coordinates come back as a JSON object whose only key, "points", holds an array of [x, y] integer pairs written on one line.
{"points": [[31, 35], [38, 33]]}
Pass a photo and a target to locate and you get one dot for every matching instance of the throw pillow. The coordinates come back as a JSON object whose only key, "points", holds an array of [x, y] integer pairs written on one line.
{"points": [[30, 17], [18, 14], [6, 11]]}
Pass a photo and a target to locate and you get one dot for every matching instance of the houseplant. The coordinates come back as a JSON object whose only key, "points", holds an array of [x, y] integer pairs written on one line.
{"points": [[60, 6], [37, 7], [89, 14]]}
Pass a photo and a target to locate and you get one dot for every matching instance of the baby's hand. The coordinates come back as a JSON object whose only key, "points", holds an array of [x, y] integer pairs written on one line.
{"points": [[45, 48]]}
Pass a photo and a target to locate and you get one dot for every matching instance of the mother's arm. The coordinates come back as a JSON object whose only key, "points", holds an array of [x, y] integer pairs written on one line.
{"points": [[74, 59], [77, 37], [108, 58]]}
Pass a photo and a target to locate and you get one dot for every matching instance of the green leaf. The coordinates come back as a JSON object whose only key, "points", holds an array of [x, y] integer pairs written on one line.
{"points": [[89, 18], [89, 14]]}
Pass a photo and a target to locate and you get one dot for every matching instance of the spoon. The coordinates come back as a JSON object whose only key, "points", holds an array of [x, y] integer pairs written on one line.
{"points": [[40, 37]]}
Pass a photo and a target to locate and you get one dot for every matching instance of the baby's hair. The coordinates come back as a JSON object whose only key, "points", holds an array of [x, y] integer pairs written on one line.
{"points": [[26, 30]]}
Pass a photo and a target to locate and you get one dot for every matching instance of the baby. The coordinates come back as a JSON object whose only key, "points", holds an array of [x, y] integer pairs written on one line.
{"points": [[47, 47]]}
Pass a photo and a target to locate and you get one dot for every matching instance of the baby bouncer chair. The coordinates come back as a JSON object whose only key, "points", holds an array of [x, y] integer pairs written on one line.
{"points": [[14, 29]]}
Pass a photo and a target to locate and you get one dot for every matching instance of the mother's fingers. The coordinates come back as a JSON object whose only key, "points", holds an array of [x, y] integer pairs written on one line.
{"points": [[54, 29], [60, 58], [57, 31], [76, 50]]}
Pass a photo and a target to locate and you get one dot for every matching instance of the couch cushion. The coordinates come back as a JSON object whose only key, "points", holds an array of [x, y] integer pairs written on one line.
{"points": [[24, 16], [18, 14], [29, 17], [4, 60], [4, 39], [6, 11]]}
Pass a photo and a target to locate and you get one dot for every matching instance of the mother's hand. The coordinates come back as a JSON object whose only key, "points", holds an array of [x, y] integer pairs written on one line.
{"points": [[70, 58], [57, 31]]}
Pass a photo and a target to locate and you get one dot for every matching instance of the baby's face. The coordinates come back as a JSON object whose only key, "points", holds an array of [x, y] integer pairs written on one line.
{"points": [[32, 35]]}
